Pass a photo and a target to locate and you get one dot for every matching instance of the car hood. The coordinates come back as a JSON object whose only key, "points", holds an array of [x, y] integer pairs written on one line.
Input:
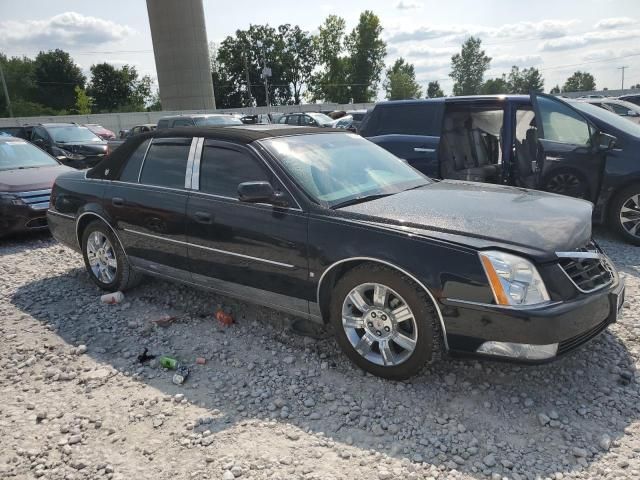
{"points": [[27, 179], [482, 215]]}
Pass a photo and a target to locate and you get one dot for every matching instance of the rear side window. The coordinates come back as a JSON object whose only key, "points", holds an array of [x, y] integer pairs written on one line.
{"points": [[163, 124], [223, 169], [166, 163], [183, 122], [422, 119], [293, 119], [132, 167]]}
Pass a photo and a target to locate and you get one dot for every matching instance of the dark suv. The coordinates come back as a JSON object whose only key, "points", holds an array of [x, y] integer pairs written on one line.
{"points": [[72, 144], [536, 141]]}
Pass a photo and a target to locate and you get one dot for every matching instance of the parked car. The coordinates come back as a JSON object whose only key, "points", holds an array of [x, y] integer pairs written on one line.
{"points": [[26, 177], [345, 123], [308, 119], [72, 144], [358, 116], [99, 130], [633, 98], [500, 139], [137, 130], [260, 118], [629, 110], [200, 120], [326, 225]]}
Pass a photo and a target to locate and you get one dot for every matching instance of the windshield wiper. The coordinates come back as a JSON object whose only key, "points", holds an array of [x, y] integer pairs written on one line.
{"points": [[362, 199]]}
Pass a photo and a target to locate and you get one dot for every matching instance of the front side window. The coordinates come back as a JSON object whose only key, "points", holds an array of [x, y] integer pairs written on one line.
{"points": [[132, 167], [166, 163], [223, 169], [619, 109], [560, 123], [293, 119], [39, 133], [16, 154], [335, 168]]}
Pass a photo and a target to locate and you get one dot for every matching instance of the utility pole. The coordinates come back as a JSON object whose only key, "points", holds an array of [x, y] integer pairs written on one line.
{"points": [[623, 69], [6, 92], [266, 73], [246, 70]]}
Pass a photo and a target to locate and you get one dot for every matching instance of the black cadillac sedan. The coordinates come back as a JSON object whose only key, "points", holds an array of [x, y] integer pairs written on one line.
{"points": [[329, 226]]}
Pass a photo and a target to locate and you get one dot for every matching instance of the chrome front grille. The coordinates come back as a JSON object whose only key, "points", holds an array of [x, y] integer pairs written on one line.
{"points": [[588, 268], [36, 199]]}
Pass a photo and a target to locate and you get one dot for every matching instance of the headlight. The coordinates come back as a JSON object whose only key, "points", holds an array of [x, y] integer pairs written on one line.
{"points": [[514, 280], [10, 199]]}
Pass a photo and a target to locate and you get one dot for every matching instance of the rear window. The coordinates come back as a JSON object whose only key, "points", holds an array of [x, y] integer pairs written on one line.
{"points": [[423, 119], [166, 163], [132, 168]]}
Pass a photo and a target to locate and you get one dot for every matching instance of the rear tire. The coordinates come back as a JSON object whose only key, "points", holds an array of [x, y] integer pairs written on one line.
{"points": [[105, 260], [384, 322], [624, 214]]}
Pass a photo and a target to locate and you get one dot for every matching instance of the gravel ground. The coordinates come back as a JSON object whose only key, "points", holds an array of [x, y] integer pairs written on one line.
{"points": [[76, 403]]}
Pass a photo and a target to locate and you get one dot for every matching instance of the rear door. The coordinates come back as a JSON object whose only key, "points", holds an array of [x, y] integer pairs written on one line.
{"points": [[244, 249], [569, 163], [148, 205], [409, 131]]}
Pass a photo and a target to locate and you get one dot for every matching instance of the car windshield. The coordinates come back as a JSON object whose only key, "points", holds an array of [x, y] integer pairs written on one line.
{"points": [[321, 118], [217, 120], [337, 168], [16, 154], [73, 134], [615, 120]]}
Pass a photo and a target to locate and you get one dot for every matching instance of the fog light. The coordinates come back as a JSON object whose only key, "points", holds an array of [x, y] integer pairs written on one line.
{"points": [[523, 351]]}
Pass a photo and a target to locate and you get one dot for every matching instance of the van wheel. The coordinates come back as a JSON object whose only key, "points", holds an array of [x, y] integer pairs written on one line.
{"points": [[624, 213], [384, 322], [567, 182], [104, 259]]}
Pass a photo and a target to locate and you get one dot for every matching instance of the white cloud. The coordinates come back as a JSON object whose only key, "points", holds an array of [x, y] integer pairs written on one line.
{"points": [[408, 5], [616, 22], [589, 38], [65, 30], [607, 53], [508, 61]]}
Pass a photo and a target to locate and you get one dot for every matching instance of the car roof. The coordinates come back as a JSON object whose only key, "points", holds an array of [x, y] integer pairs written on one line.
{"points": [[462, 98], [9, 138], [196, 115]]}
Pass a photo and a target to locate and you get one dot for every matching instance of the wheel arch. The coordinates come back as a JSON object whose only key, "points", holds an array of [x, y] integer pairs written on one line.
{"points": [[85, 219], [336, 270]]}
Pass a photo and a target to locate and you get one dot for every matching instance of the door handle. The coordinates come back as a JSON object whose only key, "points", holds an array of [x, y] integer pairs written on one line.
{"points": [[424, 149], [117, 202], [202, 217]]}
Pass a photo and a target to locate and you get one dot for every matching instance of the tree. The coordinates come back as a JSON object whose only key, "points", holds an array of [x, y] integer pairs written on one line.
{"points": [[367, 51], [434, 90], [555, 90], [19, 75], [56, 76], [83, 102], [495, 86], [525, 80], [154, 103], [330, 83], [117, 90], [298, 57], [401, 81], [468, 67], [579, 82]]}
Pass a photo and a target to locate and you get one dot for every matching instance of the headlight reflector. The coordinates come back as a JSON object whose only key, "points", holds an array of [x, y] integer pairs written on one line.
{"points": [[515, 281]]}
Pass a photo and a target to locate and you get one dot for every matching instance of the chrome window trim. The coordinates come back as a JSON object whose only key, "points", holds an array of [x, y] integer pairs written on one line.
{"points": [[195, 170], [216, 250], [172, 189], [105, 221], [65, 215], [384, 262], [144, 159], [189, 169]]}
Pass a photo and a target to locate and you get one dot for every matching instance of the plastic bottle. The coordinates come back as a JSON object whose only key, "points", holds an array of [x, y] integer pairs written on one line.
{"points": [[112, 298]]}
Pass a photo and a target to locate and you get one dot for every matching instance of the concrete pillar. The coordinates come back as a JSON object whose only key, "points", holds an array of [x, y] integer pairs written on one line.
{"points": [[181, 51]]}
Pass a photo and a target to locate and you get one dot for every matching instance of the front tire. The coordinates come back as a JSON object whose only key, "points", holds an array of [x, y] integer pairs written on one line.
{"points": [[384, 322], [104, 259], [624, 214]]}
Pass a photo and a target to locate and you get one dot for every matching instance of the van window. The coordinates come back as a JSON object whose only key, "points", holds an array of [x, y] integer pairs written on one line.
{"points": [[166, 163], [418, 119]]}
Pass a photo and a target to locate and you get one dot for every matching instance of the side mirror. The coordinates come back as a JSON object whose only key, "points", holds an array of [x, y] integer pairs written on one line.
{"points": [[605, 142], [260, 192]]}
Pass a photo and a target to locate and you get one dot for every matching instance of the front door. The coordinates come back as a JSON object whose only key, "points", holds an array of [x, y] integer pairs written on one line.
{"points": [[243, 249], [568, 162], [147, 206]]}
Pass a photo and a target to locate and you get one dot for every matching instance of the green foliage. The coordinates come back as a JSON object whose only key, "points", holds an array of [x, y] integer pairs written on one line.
{"points": [[56, 76], [495, 86], [19, 75], [118, 90], [434, 90], [367, 51], [154, 103], [298, 58], [468, 67], [83, 102], [401, 81], [580, 82], [555, 90], [525, 80]]}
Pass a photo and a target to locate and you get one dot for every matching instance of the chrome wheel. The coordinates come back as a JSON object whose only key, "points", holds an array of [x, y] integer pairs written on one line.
{"points": [[379, 324], [630, 215], [102, 257]]}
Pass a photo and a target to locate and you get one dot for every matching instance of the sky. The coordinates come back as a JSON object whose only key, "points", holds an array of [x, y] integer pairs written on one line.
{"points": [[557, 37]]}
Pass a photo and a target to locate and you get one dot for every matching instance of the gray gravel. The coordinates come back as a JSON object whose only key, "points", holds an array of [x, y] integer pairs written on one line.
{"points": [[75, 402]]}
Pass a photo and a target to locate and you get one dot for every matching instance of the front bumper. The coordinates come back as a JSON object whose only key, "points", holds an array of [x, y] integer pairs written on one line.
{"points": [[568, 324], [21, 218]]}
